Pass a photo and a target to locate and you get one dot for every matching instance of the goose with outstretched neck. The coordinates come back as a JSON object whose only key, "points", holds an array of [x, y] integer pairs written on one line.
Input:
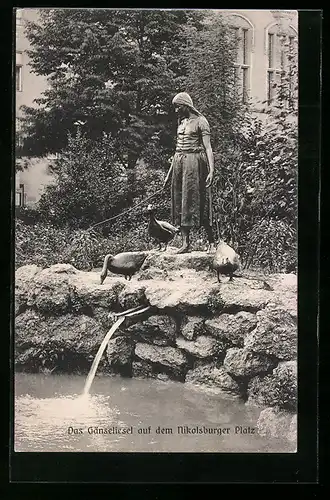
{"points": [[125, 263]]}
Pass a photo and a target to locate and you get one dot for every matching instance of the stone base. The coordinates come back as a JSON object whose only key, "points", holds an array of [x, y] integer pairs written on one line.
{"points": [[234, 337], [169, 260]]}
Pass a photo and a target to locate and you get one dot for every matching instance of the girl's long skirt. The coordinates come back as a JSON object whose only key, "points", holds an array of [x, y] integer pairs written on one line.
{"points": [[191, 201]]}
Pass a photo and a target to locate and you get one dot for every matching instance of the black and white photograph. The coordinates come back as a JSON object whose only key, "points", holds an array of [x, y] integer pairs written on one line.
{"points": [[156, 248]]}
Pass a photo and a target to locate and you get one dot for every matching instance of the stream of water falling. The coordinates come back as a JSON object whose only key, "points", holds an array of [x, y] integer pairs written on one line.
{"points": [[99, 354], [62, 413]]}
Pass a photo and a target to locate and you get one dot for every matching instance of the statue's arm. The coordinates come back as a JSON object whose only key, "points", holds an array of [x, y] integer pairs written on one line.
{"points": [[210, 158], [169, 175]]}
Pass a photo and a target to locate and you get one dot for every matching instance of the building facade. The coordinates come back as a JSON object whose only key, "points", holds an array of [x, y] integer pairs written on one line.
{"points": [[261, 36], [259, 63], [29, 86]]}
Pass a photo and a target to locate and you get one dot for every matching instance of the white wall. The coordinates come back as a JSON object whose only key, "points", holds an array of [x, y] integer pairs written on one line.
{"points": [[37, 176]]}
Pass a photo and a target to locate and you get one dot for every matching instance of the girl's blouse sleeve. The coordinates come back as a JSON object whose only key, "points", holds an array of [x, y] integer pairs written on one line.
{"points": [[204, 126]]}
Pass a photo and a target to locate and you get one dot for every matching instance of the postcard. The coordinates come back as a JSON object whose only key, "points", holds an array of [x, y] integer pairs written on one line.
{"points": [[156, 202]]}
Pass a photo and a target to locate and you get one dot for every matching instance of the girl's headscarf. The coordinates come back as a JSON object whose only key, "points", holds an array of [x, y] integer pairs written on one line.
{"points": [[184, 99]]}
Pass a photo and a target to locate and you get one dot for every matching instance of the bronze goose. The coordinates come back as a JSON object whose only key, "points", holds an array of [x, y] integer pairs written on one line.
{"points": [[125, 263], [161, 231], [226, 261]]}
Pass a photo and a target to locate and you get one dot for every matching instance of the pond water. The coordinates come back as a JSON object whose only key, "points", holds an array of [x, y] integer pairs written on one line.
{"points": [[131, 415]]}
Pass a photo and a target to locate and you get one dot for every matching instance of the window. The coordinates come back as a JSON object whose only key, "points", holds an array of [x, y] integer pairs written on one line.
{"points": [[18, 136], [20, 196], [19, 139], [281, 72], [242, 33], [19, 78]]}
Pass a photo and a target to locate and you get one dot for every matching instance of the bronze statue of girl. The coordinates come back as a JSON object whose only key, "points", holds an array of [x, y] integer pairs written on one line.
{"points": [[191, 172]]}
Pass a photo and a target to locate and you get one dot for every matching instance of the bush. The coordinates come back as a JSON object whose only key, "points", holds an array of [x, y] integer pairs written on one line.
{"points": [[90, 184], [44, 245], [273, 245], [28, 215], [40, 244], [256, 194]]}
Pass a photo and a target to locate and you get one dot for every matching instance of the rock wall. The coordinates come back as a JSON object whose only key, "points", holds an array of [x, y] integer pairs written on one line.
{"points": [[236, 338]]}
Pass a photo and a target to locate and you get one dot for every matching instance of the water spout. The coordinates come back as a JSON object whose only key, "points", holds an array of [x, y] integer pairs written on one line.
{"points": [[124, 313], [115, 326], [98, 356]]}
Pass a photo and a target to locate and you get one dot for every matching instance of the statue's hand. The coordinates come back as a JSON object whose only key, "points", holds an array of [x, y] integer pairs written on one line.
{"points": [[209, 180]]}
